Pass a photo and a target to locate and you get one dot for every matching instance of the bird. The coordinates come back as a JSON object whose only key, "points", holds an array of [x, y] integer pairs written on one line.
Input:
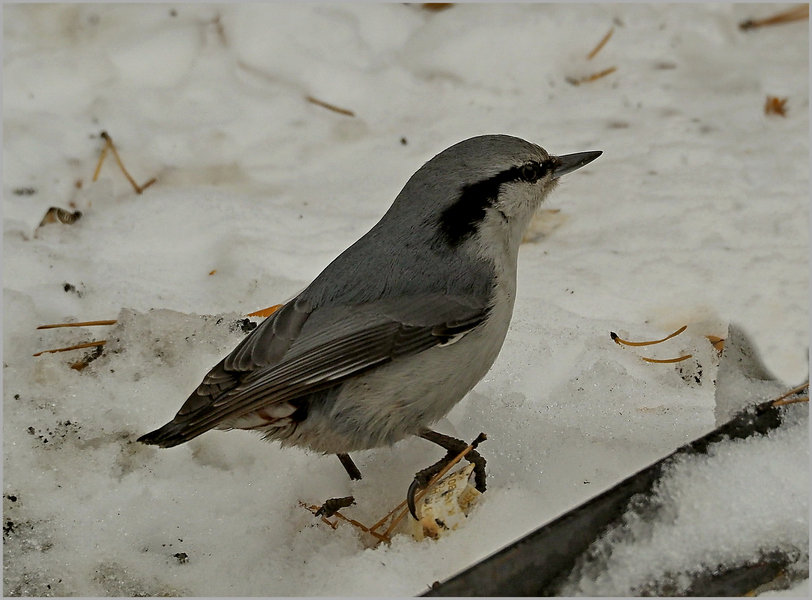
{"points": [[398, 328]]}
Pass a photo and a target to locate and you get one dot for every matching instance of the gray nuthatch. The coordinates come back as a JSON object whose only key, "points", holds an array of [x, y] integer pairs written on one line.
{"points": [[398, 328]]}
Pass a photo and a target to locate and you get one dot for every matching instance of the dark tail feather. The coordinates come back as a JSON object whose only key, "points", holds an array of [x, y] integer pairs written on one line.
{"points": [[171, 434]]}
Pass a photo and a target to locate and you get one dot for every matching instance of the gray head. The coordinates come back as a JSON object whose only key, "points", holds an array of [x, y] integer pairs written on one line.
{"points": [[485, 176], [458, 220]]}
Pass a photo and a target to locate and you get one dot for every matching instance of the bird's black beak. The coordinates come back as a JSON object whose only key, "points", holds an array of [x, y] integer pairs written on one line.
{"points": [[569, 162]]}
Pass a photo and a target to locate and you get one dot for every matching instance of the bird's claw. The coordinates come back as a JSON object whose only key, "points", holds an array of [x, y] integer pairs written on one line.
{"points": [[410, 498], [422, 478]]}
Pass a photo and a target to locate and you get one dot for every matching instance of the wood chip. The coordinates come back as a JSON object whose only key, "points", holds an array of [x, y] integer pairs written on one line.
{"points": [[60, 215], [775, 106]]}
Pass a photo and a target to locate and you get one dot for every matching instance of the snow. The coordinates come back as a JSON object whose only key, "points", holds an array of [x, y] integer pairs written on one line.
{"points": [[698, 528], [696, 213]]}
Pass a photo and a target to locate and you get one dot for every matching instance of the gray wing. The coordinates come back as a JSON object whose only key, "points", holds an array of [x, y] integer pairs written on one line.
{"points": [[298, 350]]}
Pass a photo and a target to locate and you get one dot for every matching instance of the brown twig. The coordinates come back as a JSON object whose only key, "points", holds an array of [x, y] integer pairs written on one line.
{"points": [[601, 44], [797, 13], [328, 106]]}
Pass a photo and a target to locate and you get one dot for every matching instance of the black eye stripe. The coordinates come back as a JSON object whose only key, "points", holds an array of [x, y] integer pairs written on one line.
{"points": [[459, 221]]}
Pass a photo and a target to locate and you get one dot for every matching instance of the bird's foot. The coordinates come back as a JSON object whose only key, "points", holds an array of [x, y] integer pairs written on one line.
{"points": [[333, 505], [457, 449]]}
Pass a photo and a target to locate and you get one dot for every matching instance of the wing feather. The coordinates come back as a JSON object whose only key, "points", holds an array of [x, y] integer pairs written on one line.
{"points": [[298, 351]]}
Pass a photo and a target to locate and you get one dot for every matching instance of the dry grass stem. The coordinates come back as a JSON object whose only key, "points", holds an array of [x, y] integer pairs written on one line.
{"points": [[436, 6], [667, 360], [791, 401], [102, 156], [328, 106], [618, 340], [76, 347], [797, 13], [362, 527], [388, 515], [601, 44], [108, 145], [781, 400], [334, 524], [79, 324], [592, 77]]}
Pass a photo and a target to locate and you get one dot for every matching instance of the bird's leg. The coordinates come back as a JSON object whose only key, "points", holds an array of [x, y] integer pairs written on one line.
{"points": [[333, 505], [352, 470], [453, 447]]}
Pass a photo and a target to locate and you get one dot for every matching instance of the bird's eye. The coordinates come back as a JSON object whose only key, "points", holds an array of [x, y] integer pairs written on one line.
{"points": [[531, 172]]}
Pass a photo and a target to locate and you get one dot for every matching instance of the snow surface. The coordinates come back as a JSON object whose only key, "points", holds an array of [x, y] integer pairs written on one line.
{"points": [[696, 524], [696, 213]]}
